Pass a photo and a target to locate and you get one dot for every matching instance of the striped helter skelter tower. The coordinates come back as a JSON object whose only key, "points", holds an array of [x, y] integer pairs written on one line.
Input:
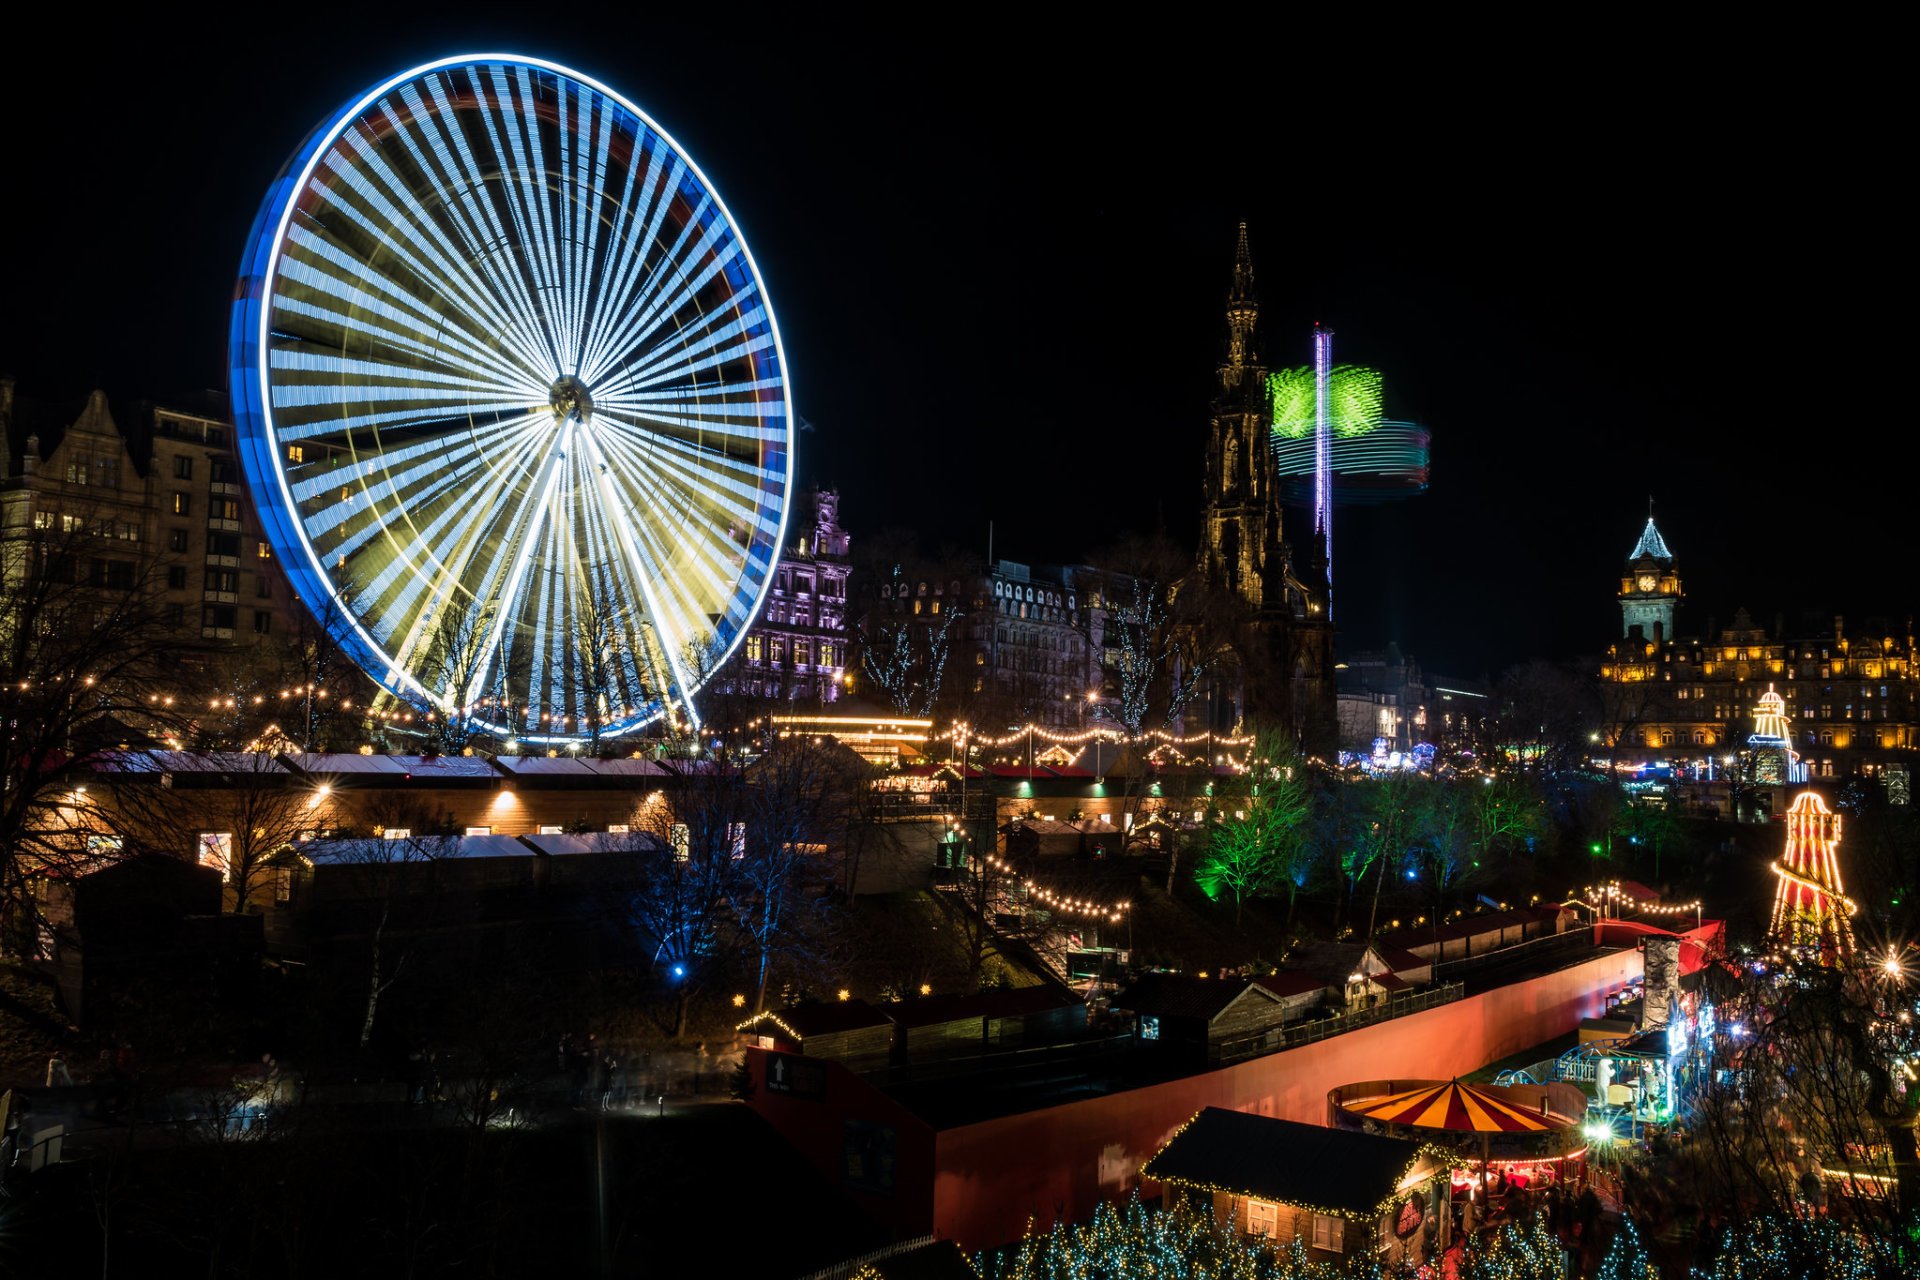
{"points": [[1811, 909]]}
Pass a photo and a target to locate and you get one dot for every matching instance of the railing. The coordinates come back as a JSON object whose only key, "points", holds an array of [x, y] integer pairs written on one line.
{"points": [[1545, 1071], [1573, 941], [1002, 1063], [1306, 1032]]}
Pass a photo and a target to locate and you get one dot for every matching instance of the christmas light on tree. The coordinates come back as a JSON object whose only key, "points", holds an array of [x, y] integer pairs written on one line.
{"points": [[1805, 1248], [1626, 1258], [1810, 908]]}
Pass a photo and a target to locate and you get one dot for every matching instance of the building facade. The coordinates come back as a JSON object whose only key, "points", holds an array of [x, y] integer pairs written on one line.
{"points": [[160, 493], [797, 650], [1688, 706]]}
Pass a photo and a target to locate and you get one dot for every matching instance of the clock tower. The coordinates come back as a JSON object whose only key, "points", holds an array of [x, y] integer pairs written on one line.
{"points": [[1649, 589]]}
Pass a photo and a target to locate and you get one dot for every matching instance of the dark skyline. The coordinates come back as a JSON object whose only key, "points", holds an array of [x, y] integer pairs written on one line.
{"points": [[999, 259]]}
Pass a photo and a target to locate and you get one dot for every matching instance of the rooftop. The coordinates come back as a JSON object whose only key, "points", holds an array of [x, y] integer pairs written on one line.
{"points": [[1285, 1161]]}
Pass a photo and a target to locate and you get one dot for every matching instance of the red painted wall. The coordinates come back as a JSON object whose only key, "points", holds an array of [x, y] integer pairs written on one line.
{"points": [[1062, 1161], [1696, 944], [817, 1127]]}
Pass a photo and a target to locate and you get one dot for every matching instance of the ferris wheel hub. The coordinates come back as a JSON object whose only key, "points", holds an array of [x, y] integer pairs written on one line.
{"points": [[570, 400]]}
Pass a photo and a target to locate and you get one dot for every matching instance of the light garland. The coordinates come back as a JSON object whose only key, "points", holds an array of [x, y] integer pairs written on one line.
{"points": [[1059, 902], [1611, 892], [775, 1019], [966, 734]]}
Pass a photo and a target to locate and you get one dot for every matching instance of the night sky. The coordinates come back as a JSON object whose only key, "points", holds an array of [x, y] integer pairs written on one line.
{"points": [[999, 251]]}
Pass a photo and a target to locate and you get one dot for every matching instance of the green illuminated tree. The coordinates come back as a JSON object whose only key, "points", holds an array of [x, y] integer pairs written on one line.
{"points": [[1260, 845]]}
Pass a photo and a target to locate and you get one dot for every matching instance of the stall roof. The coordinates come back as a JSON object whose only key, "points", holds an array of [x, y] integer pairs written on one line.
{"points": [[1176, 995], [577, 767], [1291, 983], [930, 1011], [184, 762], [1285, 1161], [595, 842], [824, 1017], [375, 850]]}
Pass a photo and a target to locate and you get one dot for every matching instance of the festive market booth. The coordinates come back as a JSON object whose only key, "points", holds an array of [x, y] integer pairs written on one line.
{"points": [[1206, 1019], [954, 1026], [1338, 1192], [1521, 1137], [849, 1031]]}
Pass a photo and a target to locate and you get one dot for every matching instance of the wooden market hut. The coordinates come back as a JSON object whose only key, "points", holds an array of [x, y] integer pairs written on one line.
{"points": [[851, 1032], [1340, 1193], [1210, 1019], [956, 1026]]}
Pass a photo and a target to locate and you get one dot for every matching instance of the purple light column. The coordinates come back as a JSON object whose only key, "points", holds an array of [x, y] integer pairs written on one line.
{"points": [[1323, 451]]}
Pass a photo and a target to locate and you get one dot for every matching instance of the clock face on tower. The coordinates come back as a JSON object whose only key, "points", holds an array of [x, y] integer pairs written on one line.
{"points": [[1648, 582]]}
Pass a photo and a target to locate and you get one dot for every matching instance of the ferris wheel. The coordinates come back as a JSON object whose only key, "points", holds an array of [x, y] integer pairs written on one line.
{"points": [[511, 400]]}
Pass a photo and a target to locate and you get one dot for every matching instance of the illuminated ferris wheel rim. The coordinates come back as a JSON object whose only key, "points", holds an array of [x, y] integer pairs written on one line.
{"points": [[256, 295]]}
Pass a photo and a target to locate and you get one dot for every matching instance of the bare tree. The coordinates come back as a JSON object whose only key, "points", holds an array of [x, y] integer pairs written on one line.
{"points": [[606, 658], [1812, 1057], [679, 889], [778, 890], [83, 648], [245, 824], [391, 882], [458, 648], [904, 652]]}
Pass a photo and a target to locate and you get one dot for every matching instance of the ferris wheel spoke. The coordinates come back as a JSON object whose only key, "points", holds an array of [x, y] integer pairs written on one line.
{"points": [[394, 218], [663, 285], [449, 550], [323, 268], [741, 334], [630, 250], [503, 127], [700, 566], [684, 342], [669, 290], [481, 229], [432, 336]]}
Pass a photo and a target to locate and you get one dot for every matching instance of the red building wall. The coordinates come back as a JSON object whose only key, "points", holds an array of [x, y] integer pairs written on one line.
{"points": [[1062, 1161], [980, 1184]]}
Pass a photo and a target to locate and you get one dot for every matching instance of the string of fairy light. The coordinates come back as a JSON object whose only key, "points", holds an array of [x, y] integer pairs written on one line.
{"points": [[1041, 733], [1064, 904], [1614, 894]]}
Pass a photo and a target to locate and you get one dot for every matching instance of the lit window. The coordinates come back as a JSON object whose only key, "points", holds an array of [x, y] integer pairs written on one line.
{"points": [[182, 505], [550, 831], [479, 831], [1263, 1218], [680, 840], [398, 833], [1329, 1233], [216, 850], [1149, 1027], [283, 884], [263, 551], [296, 453]]}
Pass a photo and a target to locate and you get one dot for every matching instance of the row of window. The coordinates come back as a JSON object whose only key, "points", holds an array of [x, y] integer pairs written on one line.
{"points": [[775, 648], [121, 530]]}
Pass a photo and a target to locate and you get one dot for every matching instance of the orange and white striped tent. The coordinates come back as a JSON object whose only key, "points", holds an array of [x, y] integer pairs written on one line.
{"points": [[1458, 1107]]}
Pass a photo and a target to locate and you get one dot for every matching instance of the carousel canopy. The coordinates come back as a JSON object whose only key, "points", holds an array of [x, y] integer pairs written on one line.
{"points": [[1453, 1106]]}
